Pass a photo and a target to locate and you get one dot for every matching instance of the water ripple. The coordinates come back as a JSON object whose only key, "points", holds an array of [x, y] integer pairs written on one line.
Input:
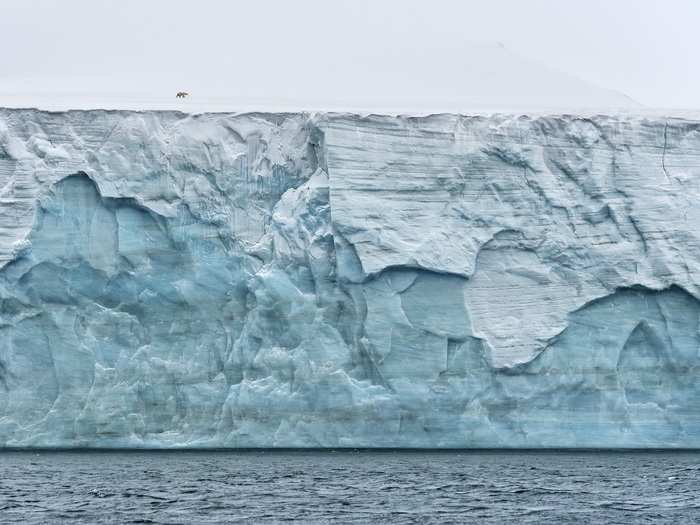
{"points": [[348, 487]]}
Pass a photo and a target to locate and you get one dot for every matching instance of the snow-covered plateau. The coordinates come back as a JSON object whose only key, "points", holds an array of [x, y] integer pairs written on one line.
{"points": [[336, 280]]}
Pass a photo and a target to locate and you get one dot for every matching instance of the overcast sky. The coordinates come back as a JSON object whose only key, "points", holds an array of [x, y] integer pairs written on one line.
{"points": [[286, 48]]}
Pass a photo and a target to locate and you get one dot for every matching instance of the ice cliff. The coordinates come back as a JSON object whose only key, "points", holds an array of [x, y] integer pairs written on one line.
{"points": [[332, 280]]}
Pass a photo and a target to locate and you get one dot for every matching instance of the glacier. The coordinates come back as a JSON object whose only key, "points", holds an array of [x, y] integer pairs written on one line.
{"points": [[337, 280]]}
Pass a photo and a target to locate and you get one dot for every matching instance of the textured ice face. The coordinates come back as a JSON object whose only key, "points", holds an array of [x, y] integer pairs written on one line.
{"points": [[265, 280], [541, 215]]}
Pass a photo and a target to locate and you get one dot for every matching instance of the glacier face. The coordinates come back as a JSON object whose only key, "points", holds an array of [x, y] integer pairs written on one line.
{"points": [[333, 280]]}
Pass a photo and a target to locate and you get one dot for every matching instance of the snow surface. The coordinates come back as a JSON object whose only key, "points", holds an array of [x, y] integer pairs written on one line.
{"points": [[490, 78], [337, 280]]}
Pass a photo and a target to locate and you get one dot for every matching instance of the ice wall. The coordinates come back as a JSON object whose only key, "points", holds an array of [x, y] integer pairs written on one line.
{"points": [[336, 280]]}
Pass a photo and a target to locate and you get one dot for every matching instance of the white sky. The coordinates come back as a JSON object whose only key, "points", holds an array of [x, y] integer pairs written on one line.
{"points": [[428, 53]]}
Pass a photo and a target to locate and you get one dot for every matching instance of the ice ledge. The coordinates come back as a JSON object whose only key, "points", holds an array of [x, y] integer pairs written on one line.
{"points": [[331, 279]]}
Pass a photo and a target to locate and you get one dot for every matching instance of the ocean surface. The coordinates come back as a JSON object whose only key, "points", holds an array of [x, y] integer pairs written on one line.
{"points": [[349, 487]]}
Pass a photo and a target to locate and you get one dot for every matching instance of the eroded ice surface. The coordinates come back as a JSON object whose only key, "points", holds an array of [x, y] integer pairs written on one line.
{"points": [[334, 280]]}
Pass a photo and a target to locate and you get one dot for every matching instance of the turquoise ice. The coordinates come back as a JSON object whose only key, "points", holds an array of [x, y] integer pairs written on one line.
{"points": [[298, 280]]}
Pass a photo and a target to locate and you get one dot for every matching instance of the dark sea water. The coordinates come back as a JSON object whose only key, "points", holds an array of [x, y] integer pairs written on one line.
{"points": [[349, 487]]}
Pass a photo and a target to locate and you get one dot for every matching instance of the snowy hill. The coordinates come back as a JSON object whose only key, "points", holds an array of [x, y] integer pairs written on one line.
{"points": [[488, 78]]}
